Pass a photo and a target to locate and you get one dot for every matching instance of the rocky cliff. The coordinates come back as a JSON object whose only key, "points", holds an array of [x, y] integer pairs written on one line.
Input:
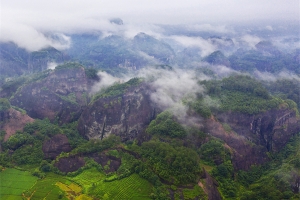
{"points": [[249, 137], [60, 96], [17, 61], [12, 120], [125, 115], [55, 145]]}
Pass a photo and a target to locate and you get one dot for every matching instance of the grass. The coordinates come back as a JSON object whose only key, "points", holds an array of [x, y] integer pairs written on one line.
{"points": [[14, 182], [132, 187], [193, 193], [88, 177], [47, 189], [72, 191], [207, 168]]}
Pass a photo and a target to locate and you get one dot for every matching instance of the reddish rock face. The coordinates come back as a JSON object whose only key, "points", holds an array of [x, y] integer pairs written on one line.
{"points": [[210, 187], [60, 96], [55, 145], [271, 129], [70, 164], [254, 135], [112, 162], [125, 115], [12, 121]]}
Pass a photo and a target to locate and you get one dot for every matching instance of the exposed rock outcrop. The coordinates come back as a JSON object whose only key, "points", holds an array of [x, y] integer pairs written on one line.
{"points": [[55, 145], [126, 115], [254, 135], [112, 162], [70, 164], [60, 96], [271, 129], [15, 60], [12, 120], [210, 186]]}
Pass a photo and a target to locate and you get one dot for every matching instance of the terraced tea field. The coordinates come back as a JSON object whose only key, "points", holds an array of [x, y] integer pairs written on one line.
{"points": [[14, 182], [132, 187]]}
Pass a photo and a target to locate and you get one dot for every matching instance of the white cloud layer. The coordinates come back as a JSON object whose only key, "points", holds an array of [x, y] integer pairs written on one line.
{"points": [[25, 22]]}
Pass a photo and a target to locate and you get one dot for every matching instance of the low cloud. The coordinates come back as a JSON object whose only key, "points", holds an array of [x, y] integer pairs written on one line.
{"points": [[270, 28], [106, 80], [266, 76], [32, 40], [206, 46], [288, 75], [171, 88], [209, 28], [251, 40], [51, 65], [222, 71]]}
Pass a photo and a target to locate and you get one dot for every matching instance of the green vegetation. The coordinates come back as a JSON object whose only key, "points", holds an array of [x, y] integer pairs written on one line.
{"points": [[46, 188], [92, 146], [241, 94], [69, 65], [4, 104], [178, 165], [165, 125], [91, 73], [276, 179], [286, 89], [117, 89], [19, 109], [69, 98], [213, 152], [27, 145], [170, 160], [132, 187], [194, 193], [14, 182], [250, 60], [12, 84], [201, 107]]}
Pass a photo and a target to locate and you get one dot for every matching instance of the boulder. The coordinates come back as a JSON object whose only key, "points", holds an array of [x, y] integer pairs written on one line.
{"points": [[55, 145]]}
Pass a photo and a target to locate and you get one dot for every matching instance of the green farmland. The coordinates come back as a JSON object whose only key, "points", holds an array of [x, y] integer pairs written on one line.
{"points": [[14, 182], [132, 187]]}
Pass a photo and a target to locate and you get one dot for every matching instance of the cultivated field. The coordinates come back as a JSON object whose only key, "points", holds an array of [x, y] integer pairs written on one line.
{"points": [[14, 182]]}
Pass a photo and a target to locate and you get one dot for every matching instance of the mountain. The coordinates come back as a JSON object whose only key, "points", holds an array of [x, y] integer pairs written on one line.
{"points": [[58, 95], [183, 114], [16, 61]]}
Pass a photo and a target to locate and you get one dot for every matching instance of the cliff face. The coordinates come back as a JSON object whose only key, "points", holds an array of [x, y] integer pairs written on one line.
{"points": [[12, 120], [251, 136], [126, 115], [271, 129], [248, 137], [55, 145], [17, 61], [60, 96], [39, 60]]}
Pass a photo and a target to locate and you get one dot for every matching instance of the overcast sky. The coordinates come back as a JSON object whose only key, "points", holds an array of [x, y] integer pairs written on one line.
{"points": [[21, 20]]}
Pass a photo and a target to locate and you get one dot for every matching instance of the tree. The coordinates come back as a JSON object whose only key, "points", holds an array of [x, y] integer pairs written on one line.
{"points": [[4, 104]]}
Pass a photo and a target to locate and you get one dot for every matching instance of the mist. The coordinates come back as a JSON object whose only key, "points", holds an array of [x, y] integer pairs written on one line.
{"points": [[28, 23], [269, 77]]}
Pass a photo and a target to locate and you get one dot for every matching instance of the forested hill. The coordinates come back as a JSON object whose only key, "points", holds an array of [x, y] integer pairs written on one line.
{"points": [[151, 117]]}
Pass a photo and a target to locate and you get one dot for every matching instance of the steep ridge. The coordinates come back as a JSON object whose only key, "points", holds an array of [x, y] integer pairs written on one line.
{"points": [[251, 136], [12, 120], [60, 96], [125, 115]]}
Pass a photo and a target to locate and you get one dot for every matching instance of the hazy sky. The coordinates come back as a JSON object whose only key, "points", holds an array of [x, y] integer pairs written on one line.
{"points": [[25, 20]]}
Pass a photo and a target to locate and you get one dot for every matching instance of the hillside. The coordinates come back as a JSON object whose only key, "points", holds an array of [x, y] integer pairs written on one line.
{"points": [[179, 114]]}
